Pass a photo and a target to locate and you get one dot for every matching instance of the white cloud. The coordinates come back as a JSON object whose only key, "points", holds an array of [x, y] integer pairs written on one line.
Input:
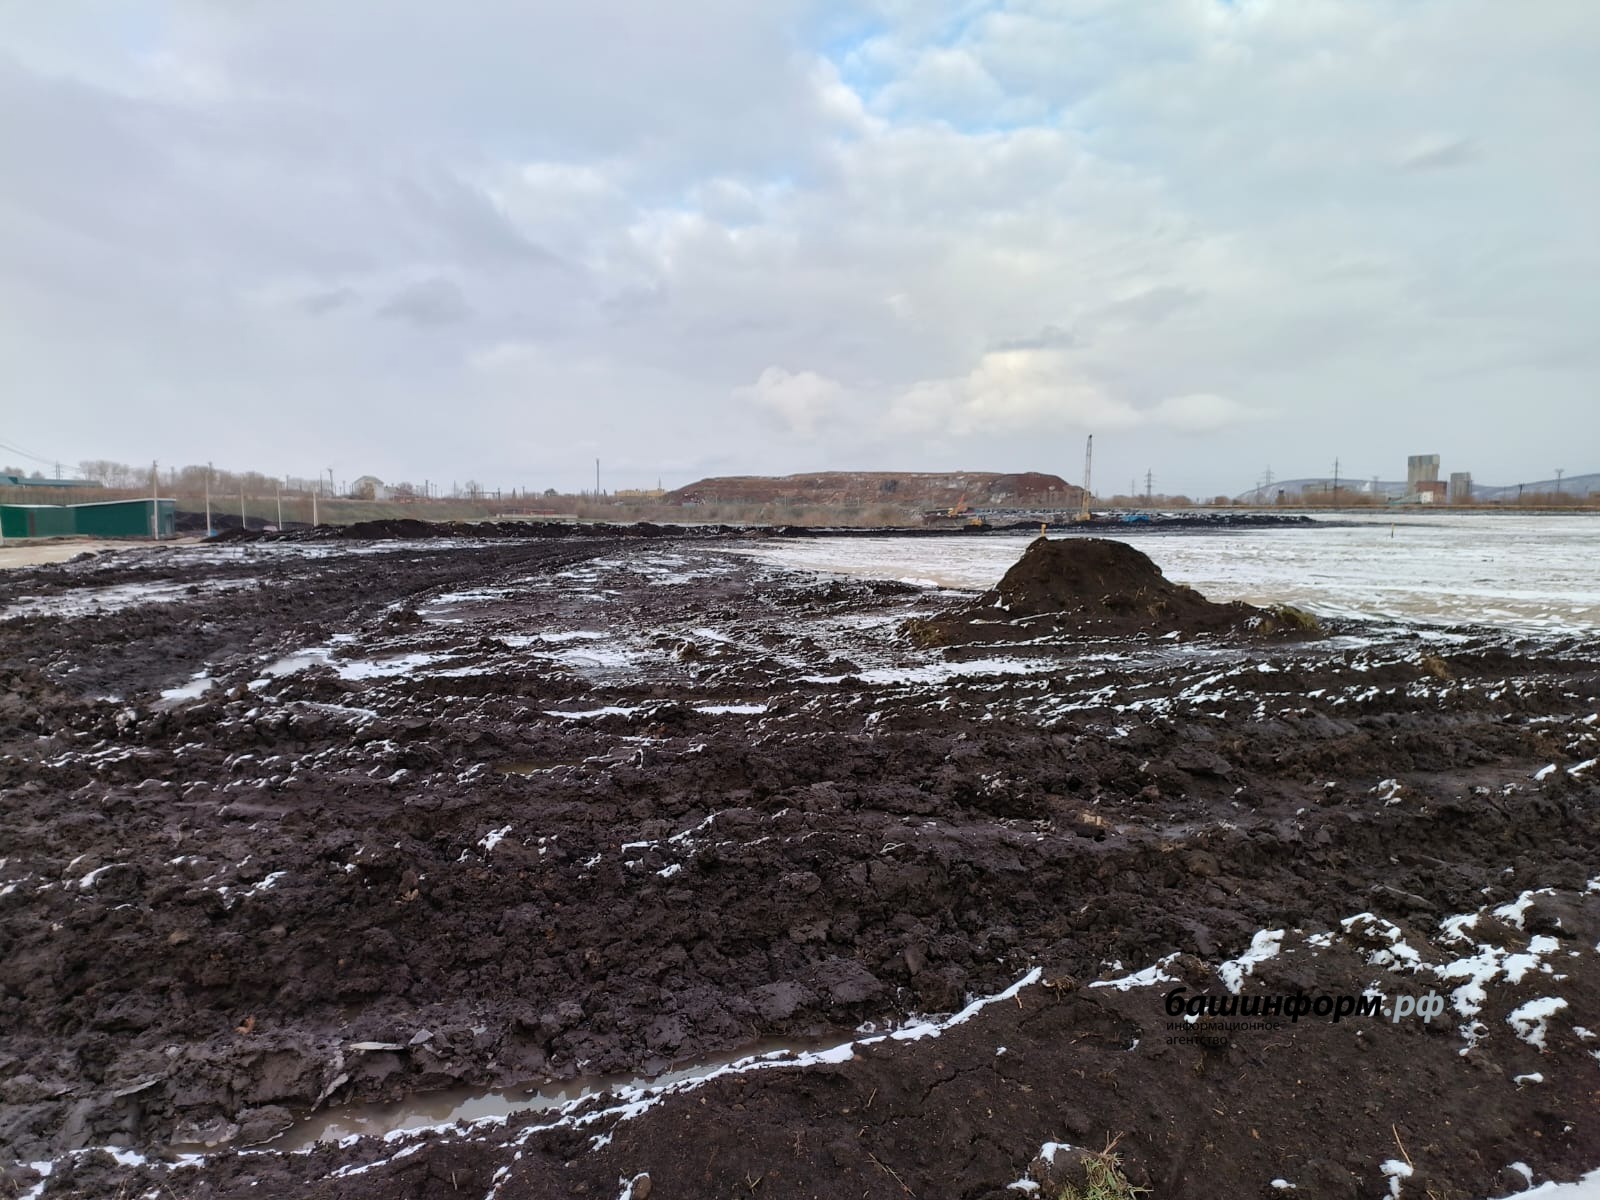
{"points": [[979, 224], [1011, 391], [1039, 390], [802, 401], [1202, 412]]}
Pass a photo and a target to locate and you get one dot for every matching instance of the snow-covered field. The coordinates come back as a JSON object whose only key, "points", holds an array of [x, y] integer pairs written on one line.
{"points": [[1527, 572]]}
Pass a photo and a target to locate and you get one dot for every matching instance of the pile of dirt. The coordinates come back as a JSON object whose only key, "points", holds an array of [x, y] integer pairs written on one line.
{"points": [[879, 487], [409, 529], [1093, 585]]}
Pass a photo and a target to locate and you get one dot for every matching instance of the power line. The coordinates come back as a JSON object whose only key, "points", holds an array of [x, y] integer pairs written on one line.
{"points": [[25, 454]]}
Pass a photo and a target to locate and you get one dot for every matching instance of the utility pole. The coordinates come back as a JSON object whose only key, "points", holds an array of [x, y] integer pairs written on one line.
{"points": [[597, 479], [155, 500], [1336, 481], [1088, 462], [244, 522], [1560, 471], [1149, 479], [208, 499], [314, 492], [279, 487]]}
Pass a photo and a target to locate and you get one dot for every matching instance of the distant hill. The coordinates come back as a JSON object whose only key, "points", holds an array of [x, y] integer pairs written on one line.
{"points": [[1265, 494], [1570, 485], [921, 489], [1394, 489]]}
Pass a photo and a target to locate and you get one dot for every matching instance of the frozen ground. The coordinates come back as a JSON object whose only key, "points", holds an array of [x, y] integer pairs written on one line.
{"points": [[1534, 573], [385, 836]]}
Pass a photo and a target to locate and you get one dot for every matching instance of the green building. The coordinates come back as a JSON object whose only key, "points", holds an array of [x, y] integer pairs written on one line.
{"points": [[108, 519]]}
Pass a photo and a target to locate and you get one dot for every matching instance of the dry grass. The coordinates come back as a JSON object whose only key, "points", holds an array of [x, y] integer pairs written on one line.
{"points": [[1104, 1178]]}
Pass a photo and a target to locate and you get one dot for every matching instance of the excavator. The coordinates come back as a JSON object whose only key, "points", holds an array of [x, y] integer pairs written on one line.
{"points": [[960, 511]]}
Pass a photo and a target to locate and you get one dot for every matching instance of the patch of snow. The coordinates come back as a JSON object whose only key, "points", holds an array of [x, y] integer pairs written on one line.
{"points": [[383, 668], [494, 837], [301, 660], [198, 685], [89, 879], [1453, 926], [1515, 912], [1396, 1170], [610, 710], [1264, 945], [1148, 977], [1398, 956], [521, 640], [939, 672], [1587, 1188], [1531, 1020], [45, 1170]]}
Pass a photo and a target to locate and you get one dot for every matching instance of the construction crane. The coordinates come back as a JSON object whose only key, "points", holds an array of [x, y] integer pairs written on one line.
{"points": [[1088, 461]]}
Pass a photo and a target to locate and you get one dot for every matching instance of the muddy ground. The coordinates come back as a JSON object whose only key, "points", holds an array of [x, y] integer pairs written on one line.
{"points": [[291, 829]]}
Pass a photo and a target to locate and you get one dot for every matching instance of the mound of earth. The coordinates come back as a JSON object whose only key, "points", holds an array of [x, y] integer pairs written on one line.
{"points": [[409, 529], [1094, 585], [825, 488]]}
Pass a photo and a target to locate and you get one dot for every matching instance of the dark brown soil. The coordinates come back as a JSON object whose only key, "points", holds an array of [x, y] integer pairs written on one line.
{"points": [[557, 808], [1093, 587]]}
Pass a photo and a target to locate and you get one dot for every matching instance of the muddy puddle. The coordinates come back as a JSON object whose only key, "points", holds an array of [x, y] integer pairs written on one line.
{"points": [[528, 766], [460, 1104]]}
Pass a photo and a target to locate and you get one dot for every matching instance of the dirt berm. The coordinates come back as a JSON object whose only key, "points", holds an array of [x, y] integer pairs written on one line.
{"points": [[1094, 586]]}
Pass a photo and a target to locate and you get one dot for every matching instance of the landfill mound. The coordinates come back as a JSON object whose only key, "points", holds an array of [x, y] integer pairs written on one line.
{"points": [[1094, 585], [828, 488]]}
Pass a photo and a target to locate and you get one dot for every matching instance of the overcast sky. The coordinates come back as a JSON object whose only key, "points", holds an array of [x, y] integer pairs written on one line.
{"points": [[498, 238]]}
